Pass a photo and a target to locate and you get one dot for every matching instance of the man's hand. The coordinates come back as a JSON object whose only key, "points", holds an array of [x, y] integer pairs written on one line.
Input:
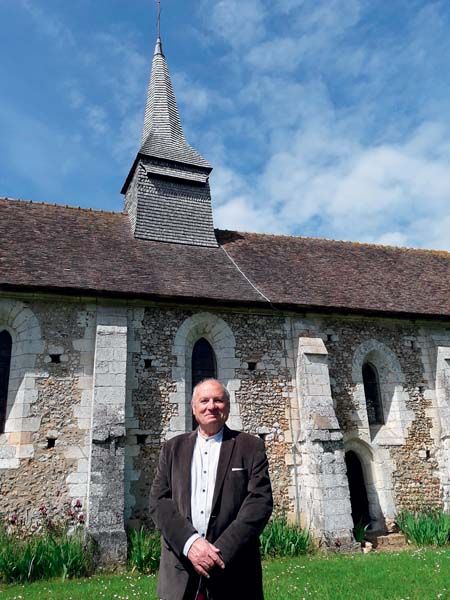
{"points": [[204, 556]]}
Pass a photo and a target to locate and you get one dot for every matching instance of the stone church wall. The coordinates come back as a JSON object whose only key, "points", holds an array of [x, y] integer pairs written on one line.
{"points": [[403, 451], [255, 366], [48, 403], [405, 461]]}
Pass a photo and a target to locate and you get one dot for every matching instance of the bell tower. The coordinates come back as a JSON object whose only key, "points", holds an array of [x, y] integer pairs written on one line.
{"points": [[167, 193]]}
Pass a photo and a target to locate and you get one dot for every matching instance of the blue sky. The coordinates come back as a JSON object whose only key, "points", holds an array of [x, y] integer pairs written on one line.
{"points": [[326, 118]]}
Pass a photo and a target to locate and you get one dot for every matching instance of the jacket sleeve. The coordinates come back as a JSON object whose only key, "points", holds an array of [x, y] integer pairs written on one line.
{"points": [[254, 511], [175, 528]]}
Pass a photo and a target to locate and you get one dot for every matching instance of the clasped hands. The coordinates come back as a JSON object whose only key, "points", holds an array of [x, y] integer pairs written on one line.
{"points": [[204, 557]]}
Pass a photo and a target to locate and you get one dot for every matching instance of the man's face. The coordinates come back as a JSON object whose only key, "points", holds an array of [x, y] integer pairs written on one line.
{"points": [[210, 407]]}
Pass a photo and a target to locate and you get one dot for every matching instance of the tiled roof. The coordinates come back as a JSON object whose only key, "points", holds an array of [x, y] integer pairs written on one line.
{"points": [[337, 275], [55, 248], [163, 135], [74, 250]]}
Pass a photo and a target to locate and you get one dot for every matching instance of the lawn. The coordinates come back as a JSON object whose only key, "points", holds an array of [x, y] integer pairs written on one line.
{"points": [[418, 575]]}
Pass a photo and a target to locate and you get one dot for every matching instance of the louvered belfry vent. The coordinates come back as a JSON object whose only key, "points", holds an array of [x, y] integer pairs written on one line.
{"points": [[167, 193]]}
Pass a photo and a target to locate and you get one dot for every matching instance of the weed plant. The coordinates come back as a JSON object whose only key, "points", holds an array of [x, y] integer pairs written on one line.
{"points": [[44, 556], [280, 539], [144, 550], [425, 528]]}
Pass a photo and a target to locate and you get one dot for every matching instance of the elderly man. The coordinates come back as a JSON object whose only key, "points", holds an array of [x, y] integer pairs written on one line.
{"points": [[211, 498]]}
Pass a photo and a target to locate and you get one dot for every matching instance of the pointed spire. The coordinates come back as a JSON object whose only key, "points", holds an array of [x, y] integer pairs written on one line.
{"points": [[163, 135], [167, 193]]}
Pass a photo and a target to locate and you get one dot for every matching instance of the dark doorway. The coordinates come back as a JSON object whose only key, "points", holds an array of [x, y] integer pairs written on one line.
{"points": [[358, 491], [5, 363], [204, 365]]}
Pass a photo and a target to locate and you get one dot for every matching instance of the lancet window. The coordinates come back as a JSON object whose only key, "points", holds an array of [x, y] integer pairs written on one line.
{"points": [[5, 364], [373, 395]]}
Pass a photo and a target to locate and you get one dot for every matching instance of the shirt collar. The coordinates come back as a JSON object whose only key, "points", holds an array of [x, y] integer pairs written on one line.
{"points": [[216, 438]]}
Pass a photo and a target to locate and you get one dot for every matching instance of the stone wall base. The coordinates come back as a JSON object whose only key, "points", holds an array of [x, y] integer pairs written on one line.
{"points": [[111, 547]]}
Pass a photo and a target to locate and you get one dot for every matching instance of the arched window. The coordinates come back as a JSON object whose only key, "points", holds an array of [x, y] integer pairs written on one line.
{"points": [[203, 362], [372, 394], [203, 365], [5, 363]]}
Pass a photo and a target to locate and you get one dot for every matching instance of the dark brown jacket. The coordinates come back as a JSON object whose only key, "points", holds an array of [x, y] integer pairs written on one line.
{"points": [[242, 504]]}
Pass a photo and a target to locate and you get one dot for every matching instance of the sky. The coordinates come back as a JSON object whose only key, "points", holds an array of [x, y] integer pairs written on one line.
{"points": [[323, 118]]}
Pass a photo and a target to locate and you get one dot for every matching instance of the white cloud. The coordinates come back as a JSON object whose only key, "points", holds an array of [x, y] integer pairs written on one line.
{"points": [[282, 54], [196, 98], [325, 118], [239, 22], [330, 16], [387, 194], [49, 24], [351, 145], [97, 120]]}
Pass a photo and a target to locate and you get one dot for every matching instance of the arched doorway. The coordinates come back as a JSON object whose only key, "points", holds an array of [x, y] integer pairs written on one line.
{"points": [[358, 491], [204, 365]]}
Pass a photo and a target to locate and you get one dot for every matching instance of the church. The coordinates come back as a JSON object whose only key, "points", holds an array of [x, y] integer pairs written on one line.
{"points": [[336, 354]]}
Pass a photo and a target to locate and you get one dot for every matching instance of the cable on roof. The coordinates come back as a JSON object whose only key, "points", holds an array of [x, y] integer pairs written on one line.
{"points": [[247, 279]]}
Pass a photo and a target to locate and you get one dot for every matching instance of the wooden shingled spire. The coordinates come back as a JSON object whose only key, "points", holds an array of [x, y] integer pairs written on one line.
{"points": [[167, 192]]}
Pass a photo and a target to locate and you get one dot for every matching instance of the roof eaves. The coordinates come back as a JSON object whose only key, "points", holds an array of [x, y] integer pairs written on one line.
{"points": [[230, 302]]}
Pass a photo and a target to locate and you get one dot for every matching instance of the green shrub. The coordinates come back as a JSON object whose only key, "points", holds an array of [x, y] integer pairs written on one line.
{"points": [[144, 550], [44, 556], [281, 539], [425, 528]]}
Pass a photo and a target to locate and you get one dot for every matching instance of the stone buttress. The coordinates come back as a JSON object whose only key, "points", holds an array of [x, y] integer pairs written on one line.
{"points": [[324, 498]]}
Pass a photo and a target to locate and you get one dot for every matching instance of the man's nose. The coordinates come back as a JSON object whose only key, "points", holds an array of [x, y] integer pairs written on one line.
{"points": [[211, 404]]}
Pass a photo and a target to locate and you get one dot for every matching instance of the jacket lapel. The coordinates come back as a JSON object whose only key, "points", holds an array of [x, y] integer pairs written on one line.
{"points": [[185, 461], [226, 450]]}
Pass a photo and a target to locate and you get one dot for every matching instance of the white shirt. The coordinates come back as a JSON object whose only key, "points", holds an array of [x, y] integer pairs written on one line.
{"points": [[205, 460]]}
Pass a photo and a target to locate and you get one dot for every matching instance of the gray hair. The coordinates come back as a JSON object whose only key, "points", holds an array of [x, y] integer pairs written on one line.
{"points": [[207, 380]]}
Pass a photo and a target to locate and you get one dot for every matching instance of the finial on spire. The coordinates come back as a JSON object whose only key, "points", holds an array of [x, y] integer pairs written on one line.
{"points": [[158, 19], [158, 47]]}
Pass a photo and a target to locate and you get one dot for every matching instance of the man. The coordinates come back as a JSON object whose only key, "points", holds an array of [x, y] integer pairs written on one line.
{"points": [[211, 498]]}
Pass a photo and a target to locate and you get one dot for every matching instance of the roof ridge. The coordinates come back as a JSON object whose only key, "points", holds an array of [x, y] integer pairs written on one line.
{"points": [[335, 241], [58, 205]]}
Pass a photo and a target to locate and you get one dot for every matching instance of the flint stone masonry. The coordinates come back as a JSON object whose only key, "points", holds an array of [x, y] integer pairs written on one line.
{"points": [[43, 400], [123, 386], [400, 473], [106, 493], [160, 395]]}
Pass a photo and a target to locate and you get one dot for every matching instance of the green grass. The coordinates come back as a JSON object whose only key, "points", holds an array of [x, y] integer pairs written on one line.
{"points": [[417, 575]]}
